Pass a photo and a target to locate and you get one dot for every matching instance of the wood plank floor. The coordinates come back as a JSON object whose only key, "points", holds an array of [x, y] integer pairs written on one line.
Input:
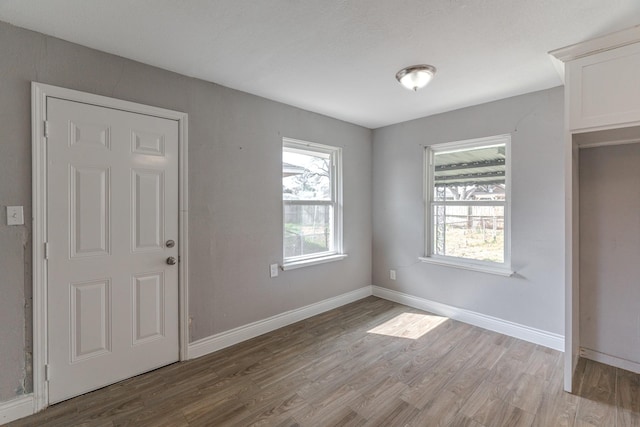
{"points": [[370, 363]]}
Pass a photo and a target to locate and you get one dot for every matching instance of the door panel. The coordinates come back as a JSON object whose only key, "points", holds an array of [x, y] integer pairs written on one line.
{"points": [[148, 307], [147, 143], [89, 192], [147, 204], [113, 200], [90, 319], [89, 134]]}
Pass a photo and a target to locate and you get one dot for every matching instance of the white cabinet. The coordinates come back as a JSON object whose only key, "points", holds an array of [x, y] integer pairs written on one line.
{"points": [[604, 88], [602, 81]]}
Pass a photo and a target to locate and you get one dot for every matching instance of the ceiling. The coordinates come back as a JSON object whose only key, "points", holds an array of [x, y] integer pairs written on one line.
{"points": [[339, 57]]}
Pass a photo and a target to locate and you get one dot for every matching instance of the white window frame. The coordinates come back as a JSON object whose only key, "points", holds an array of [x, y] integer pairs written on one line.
{"points": [[335, 156], [504, 268]]}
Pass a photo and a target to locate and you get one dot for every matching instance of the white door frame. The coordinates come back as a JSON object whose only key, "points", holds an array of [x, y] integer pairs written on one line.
{"points": [[575, 140], [39, 94]]}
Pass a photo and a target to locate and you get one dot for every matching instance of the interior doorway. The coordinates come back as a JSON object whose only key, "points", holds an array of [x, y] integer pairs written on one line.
{"points": [[609, 218]]}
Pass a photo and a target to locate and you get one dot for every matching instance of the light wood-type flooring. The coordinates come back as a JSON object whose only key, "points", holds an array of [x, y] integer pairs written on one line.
{"points": [[370, 363]]}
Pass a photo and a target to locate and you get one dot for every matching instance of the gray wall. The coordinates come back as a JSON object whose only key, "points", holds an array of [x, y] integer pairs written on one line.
{"points": [[609, 250], [535, 295], [235, 189]]}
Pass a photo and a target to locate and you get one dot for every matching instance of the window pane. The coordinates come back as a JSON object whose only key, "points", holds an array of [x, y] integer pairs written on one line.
{"points": [[470, 174], [307, 229], [473, 232], [306, 175]]}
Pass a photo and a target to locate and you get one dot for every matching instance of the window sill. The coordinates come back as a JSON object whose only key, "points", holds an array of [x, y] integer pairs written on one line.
{"points": [[313, 261], [481, 268]]}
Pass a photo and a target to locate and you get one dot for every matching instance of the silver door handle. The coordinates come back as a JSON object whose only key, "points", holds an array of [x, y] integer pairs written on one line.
{"points": [[171, 260]]}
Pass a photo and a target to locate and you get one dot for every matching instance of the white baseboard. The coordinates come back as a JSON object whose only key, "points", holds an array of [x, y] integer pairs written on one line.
{"points": [[16, 408], [607, 359], [536, 336], [234, 336], [225, 339]]}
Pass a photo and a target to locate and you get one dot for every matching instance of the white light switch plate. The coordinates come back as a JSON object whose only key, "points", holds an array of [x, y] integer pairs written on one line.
{"points": [[15, 215], [273, 270]]}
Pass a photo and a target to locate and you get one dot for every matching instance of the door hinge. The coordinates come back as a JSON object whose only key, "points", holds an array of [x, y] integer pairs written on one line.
{"points": [[46, 128], [46, 250], [47, 372]]}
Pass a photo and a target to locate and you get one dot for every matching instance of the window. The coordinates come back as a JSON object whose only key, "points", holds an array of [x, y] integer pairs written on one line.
{"points": [[311, 203], [468, 196]]}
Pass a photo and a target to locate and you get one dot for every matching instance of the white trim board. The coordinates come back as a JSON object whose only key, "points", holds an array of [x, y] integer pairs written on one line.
{"points": [[599, 44], [16, 409], [608, 143], [237, 335], [228, 338], [607, 359], [527, 333], [39, 94]]}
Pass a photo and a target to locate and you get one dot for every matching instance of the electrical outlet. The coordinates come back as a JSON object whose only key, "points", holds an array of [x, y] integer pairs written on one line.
{"points": [[15, 215], [392, 274], [273, 270]]}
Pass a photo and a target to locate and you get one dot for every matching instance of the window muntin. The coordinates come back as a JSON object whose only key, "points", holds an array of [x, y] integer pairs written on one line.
{"points": [[468, 201], [310, 197]]}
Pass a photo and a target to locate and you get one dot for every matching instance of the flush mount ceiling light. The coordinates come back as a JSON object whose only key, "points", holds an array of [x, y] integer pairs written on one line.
{"points": [[416, 77]]}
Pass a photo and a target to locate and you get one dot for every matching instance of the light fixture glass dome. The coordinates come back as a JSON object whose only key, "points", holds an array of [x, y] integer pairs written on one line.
{"points": [[416, 77]]}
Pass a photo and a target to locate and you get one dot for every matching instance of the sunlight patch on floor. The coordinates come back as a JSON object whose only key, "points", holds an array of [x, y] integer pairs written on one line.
{"points": [[408, 325]]}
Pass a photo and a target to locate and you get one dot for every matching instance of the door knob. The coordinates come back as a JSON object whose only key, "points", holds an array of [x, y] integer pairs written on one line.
{"points": [[171, 260]]}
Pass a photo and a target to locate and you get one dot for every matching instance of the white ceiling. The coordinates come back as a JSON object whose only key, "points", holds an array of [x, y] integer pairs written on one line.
{"points": [[339, 57]]}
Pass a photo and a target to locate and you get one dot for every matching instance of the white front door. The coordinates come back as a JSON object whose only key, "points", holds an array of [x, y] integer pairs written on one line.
{"points": [[112, 295]]}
